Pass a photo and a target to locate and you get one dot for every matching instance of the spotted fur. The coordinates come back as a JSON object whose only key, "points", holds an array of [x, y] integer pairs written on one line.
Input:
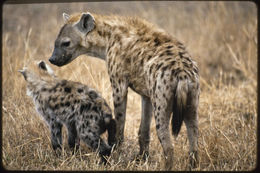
{"points": [[147, 59], [81, 109]]}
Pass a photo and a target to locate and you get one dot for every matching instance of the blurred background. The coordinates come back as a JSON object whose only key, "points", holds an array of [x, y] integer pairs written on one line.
{"points": [[220, 36]]}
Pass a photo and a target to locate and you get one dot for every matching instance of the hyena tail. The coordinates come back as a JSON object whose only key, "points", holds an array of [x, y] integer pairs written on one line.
{"points": [[179, 104]]}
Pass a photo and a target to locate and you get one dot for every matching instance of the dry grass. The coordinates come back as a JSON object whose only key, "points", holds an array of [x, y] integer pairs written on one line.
{"points": [[221, 36]]}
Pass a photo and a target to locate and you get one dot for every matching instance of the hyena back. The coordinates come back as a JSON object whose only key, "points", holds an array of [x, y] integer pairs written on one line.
{"points": [[147, 59], [81, 109]]}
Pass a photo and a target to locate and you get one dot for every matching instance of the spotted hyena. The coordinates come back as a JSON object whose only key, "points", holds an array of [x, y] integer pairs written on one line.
{"points": [[81, 109], [147, 59]]}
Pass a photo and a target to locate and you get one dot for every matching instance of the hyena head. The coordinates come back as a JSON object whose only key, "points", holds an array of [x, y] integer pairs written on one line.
{"points": [[71, 41], [37, 71]]}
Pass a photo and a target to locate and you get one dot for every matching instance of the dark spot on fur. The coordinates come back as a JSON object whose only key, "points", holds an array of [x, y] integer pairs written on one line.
{"points": [[163, 70], [63, 83], [67, 104], [108, 116], [169, 47], [159, 108], [99, 33], [154, 105], [181, 54], [167, 40], [150, 70], [119, 114], [162, 74], [117, 104], [172, 63], [67, 89], [168, 52], [157, 126], [147, 40], [195, 70], [44, 89], [149, 57], [84, 107], [54, 99], [142, 62], [159, 66], [157, 42], [56, 106], [95, 108], [117, 37], [162, 54], [80, 90], [92, 144], [93, 94]]}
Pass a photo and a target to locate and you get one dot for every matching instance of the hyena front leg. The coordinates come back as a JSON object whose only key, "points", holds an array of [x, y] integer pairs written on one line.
{"points": [[191, 122], [56, 134], [111, 129], [144, 130], [73, 139], [120, 102]]}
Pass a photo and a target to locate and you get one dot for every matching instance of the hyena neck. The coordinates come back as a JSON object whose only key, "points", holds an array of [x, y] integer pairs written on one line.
{"points": [[108, 30], [36, 86]]}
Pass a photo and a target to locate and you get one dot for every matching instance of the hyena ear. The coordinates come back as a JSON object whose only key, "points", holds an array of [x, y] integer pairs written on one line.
{"points": [[23, 71], [86, 23], [65, 17], [42, 65]]}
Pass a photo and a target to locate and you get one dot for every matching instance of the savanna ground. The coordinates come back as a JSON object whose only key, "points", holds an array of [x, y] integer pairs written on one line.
{"points": [[221, 37]]}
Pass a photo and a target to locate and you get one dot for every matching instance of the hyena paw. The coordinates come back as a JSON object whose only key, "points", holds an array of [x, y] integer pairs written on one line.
{"points": [[193, 157]]}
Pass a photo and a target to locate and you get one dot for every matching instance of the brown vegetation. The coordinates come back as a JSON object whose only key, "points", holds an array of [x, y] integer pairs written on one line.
{"points": [[221, 37]]}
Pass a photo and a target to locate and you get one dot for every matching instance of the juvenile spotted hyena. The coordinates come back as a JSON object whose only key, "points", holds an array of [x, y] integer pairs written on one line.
{"points": [[145, 58], [83, 111]]}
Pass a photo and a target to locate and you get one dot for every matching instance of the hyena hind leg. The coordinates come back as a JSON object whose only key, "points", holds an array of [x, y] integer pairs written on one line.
{"points": [[92, 138], [191, 122], [162, 118]]}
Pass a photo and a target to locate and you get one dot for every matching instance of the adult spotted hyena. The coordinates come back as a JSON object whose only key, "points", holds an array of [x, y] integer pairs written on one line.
{"points": [[148, 60], [83, 111]]}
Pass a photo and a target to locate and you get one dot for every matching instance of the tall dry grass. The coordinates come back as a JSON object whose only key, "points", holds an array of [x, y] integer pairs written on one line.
{"points": [[222, 38]]}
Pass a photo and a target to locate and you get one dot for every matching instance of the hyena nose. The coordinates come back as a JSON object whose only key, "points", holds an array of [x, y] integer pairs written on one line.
{"points": [[52, 60]]}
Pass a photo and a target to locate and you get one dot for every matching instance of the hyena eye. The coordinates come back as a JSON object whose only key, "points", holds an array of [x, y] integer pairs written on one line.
{"points": [[65, 44]]}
